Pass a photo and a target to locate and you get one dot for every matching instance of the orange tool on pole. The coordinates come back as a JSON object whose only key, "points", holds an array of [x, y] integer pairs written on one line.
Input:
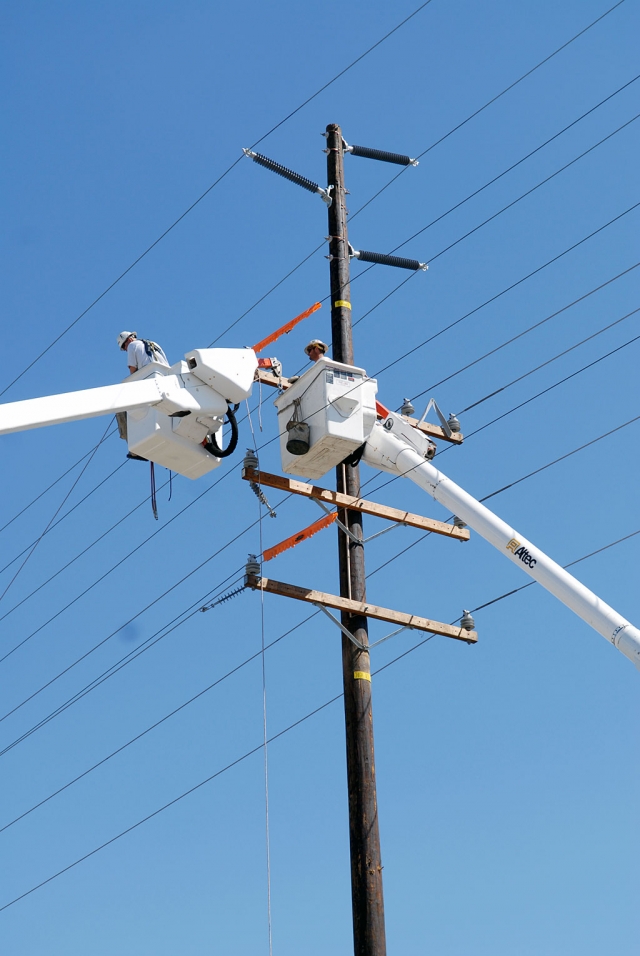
{"points": [[300, 536], [285, 329]]}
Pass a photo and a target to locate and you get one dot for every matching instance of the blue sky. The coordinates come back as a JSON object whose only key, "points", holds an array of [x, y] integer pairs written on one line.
{"points": [[507, 777]]}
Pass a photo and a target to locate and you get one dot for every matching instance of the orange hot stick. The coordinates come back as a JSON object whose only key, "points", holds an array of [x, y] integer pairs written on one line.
{"points": [[285, 329], [300, 536]]}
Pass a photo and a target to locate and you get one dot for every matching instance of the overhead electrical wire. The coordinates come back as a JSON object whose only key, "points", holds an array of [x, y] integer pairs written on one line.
{"points": [[577, 559], [550, 388], [185, 509], [268, 133], [245, 755], [466, 235], [435, 335], [143, 610], [51, 521], [162, 720], [519, 335], [150, 642], [52, 485], [513, 285], [523, 195], [490, 102], [438, 219], [436, 143], [68, 513], [219, 180], [554, 358], [379, 372]]}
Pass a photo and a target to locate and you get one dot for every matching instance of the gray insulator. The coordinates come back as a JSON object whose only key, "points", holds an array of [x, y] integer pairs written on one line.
{"points": [[453, 423], [287, 173], [262, 498], [458, 522], [252, 566], [398, 261], [466, 621], [407, 407], [225, 597], [250, 459], [381, 154]]}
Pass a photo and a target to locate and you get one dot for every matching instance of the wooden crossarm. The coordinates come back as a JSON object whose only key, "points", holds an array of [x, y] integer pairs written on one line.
{"points": [[339, 500], [267, 377], [358, 607]]}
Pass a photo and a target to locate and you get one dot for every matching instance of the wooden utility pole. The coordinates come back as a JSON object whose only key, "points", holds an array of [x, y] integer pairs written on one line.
{"points": [[366, 864]]}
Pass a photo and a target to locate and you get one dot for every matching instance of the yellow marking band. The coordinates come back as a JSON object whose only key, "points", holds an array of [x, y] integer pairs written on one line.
{"points": [[341, 304], [361, 675]]}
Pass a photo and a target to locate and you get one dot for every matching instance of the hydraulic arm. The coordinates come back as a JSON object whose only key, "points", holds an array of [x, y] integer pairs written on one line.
{"points": [[396, 447]]}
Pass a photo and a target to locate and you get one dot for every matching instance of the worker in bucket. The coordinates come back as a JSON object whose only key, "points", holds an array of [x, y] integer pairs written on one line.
{"points": [[140, 352], [316, 349]]}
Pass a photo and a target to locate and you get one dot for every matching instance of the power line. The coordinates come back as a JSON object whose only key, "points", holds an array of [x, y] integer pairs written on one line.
{"points": [[52, 485], [309, 617], [522, 196], [493, 100], [555, 385], [55, 524], [508, 289], [162, 720], [444, 214], [244, 756], [212, 186], [155, 601], [56, 512], [520, 335], [553, 358]]}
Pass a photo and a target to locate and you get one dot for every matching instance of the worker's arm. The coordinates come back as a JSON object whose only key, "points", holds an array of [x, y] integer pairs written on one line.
{"points": [[132, 369]]}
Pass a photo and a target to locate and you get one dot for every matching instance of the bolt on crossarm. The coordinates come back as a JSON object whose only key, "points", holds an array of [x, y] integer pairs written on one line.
{"points": [[366, 864]]}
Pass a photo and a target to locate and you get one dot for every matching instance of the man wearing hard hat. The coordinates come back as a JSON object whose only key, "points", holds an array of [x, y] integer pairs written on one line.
{"points": [[140, 352], [316, 349]]}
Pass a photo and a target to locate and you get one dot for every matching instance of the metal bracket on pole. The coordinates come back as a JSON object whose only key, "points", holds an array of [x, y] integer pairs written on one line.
{"points": [[443, 421], [347, 633], [350, 534]]}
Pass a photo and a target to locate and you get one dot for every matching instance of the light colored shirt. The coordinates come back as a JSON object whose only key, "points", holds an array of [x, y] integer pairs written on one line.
{"points": [[137, 356]]}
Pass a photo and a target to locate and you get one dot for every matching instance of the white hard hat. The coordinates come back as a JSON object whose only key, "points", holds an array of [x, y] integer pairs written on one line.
{"points": [[316, 344], [122, 338]]}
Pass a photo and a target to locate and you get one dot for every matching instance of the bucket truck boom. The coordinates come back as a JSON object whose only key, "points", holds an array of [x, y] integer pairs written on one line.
{"points": [[338, 404], [171, 411]]}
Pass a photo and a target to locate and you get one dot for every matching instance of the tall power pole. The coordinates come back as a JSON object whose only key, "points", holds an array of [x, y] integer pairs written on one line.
{"points": [[366, 863]]}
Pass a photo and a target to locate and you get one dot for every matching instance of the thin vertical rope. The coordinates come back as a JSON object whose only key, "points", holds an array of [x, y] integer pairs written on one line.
{"points": [[264, 708]]}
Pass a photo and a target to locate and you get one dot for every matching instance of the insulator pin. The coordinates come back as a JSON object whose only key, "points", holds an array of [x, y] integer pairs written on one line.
{"points": [[466, 621], [382, 155], [252, 566], [288, 174], [453, 423], [398, 261]]}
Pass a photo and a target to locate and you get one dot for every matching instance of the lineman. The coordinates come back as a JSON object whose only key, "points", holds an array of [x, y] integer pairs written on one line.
{"points": [[140, 352], [316, 349]]}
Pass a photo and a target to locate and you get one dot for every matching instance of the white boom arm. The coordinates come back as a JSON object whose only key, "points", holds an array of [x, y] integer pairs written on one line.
{"points": [[73, 406], [171, 412], [394, 446]]}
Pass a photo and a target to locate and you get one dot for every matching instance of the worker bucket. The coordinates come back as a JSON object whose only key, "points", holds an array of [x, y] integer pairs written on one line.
{"points": [[298, 442]]}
